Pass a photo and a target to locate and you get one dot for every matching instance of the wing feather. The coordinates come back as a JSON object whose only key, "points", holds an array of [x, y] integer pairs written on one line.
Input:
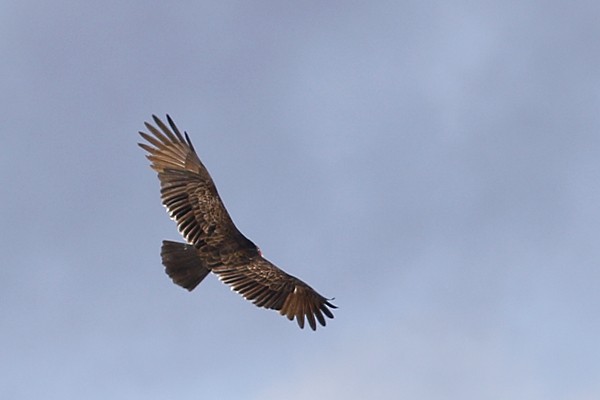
{"points": [[187, 190], [265, 285]]}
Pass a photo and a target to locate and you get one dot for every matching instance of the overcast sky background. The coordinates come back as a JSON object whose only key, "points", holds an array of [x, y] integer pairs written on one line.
{"points": [[432, 165]]}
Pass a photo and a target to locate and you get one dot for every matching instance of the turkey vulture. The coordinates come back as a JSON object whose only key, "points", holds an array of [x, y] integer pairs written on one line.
{"points": [[214, 244]]}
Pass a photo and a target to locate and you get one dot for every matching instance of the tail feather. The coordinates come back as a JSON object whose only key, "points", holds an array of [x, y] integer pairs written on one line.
{"points": [[182, 264]]}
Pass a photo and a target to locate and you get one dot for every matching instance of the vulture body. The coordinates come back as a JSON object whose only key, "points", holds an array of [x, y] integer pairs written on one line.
{"points": [[214, 244]]}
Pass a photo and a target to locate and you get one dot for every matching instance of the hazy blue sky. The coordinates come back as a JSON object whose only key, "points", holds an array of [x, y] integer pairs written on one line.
{"points": [[432, 165]]}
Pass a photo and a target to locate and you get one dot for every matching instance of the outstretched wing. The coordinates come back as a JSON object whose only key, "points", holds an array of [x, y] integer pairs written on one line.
{"points": [[262, 283], [188, 192]]}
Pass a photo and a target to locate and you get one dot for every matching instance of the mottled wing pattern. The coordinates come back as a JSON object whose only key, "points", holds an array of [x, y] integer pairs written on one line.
{"points": [[187, 190], [267, 286]]}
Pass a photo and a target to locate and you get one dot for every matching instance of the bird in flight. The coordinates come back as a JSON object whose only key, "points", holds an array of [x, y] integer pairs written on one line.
{"points": [[214, 244]]}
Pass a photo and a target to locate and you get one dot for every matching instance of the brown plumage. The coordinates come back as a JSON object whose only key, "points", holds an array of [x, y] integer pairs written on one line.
{"points": [[214, 244]]}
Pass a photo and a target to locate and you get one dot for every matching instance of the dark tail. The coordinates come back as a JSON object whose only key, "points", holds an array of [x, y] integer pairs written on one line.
{"points": [[182, 264]]}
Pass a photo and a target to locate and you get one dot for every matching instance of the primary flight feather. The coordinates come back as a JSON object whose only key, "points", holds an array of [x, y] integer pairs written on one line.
{"points": [[214, 244]]}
